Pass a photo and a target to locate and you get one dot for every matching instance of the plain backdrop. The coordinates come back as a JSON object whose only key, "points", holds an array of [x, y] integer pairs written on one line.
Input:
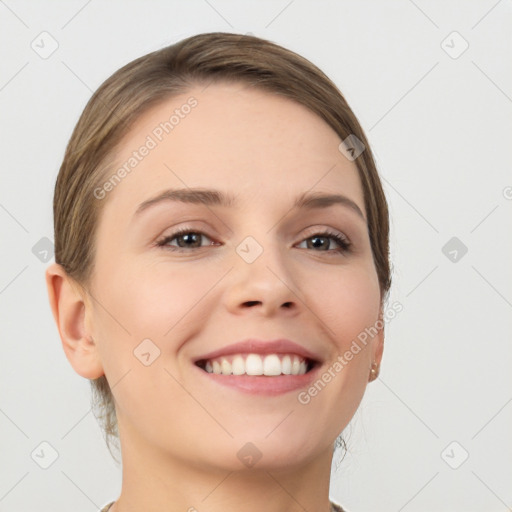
{"points": [[431, 83]]}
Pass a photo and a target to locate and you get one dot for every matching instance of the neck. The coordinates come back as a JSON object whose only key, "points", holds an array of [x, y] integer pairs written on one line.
{"points": [[153, 482]]}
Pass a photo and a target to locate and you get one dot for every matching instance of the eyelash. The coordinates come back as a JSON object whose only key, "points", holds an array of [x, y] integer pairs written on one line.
{"points": [[341, 240]]}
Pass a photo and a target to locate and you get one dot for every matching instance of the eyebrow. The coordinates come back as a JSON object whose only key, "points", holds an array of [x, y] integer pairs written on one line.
{"points": [[212, 197]]}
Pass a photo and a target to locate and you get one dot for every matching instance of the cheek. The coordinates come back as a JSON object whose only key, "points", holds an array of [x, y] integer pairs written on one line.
{"points": [[347, 301], [141, 303], [155, 301]]}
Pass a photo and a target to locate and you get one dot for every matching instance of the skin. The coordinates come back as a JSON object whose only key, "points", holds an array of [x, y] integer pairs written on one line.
{"points": [[179, 434]]}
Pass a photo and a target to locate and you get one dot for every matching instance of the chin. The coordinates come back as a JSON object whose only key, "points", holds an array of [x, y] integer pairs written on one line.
{"points": [[277, 452]]}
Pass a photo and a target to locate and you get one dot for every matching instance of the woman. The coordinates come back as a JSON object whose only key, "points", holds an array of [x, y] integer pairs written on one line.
{"points": [[221, 248]]}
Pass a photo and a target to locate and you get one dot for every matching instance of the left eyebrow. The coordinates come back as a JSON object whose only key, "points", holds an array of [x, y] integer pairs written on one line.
{"points": [[320, 200], [212, 197]]}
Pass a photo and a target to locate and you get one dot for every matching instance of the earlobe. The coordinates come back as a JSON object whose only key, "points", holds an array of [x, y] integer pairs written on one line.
{"points": [[69, 310], [377, 350], [379, 347]]}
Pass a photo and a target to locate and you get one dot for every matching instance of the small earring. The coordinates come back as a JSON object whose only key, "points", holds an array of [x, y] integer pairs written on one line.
{"points": [[374, 372]]}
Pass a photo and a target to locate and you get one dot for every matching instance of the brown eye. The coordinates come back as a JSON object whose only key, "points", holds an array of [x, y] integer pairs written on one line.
{"points": [[319, 242], [189, 240], [323, 242], [184, 239]]}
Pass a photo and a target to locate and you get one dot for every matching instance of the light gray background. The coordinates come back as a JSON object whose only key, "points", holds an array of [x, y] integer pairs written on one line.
{"points": [[441, 129]]}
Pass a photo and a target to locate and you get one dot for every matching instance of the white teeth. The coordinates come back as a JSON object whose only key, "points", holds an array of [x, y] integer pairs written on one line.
{"points": [[238, 365], [270, 365], [286, 365], [216, 367], [225, 367], [295, 365], [253, 365]]}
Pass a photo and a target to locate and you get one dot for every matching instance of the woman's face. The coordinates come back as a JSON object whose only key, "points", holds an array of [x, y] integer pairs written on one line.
{"points": [[167, 308]]}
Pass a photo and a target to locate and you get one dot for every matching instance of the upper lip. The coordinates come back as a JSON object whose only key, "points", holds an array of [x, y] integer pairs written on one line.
{"points": [[256, 346]]}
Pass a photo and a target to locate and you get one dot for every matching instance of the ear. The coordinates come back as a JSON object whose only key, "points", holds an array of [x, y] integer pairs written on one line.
{"points": [[378, 342], [71, 311]]}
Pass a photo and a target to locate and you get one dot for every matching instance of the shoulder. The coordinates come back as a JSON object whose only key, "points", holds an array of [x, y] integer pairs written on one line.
{"points": [[334, 507]]}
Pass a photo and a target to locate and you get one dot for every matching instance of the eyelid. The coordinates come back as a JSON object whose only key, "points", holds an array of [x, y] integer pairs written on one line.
{"points": [[321, 231], [162, 240], [345, 246], [314, 230]]}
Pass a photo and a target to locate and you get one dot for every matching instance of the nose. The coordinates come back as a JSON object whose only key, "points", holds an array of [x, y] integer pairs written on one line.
{"points": [[265, 286]]}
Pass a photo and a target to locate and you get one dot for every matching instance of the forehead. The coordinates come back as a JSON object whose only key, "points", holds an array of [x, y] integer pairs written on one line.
{"points": [[256, 145]]}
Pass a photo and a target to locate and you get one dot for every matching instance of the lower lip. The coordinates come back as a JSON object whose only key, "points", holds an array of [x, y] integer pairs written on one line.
{"points": [[261, 384]]}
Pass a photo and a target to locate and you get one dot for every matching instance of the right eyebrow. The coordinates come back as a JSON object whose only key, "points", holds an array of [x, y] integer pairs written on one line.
{"points": [[208, 197]]}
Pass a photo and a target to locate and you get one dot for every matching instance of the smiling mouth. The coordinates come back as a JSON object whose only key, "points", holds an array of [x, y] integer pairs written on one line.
{"points": [[270, 365]]}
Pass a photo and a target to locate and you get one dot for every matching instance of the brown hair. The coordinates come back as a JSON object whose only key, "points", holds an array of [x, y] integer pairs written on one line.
{"points": [[163, 74]]}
